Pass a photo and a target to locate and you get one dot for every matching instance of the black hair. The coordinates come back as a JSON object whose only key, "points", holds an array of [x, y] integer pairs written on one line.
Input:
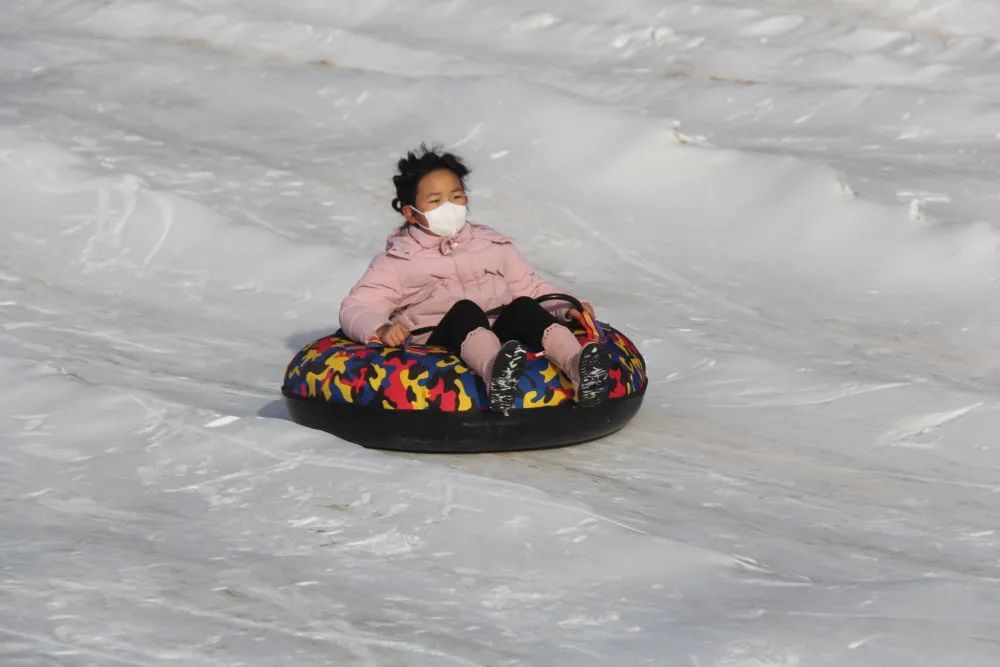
{"points": [[418, 164]]}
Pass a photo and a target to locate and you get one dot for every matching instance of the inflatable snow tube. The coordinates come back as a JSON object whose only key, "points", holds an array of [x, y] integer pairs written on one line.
{"points": [[422, 398]]}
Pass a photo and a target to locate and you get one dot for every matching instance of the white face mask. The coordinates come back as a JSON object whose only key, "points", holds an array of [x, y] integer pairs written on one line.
{"points": [[446, 219]]}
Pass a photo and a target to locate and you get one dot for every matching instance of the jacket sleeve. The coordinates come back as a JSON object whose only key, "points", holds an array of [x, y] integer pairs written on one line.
{"points": [[523, 281], [371, 302]]}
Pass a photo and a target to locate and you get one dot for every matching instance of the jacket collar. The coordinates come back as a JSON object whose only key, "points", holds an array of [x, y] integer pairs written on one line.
{"points": [[429, 240], [408, 241], [411, 239]]}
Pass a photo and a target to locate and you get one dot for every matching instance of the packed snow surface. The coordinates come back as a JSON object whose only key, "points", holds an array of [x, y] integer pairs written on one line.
{"points": [[790, 206]]}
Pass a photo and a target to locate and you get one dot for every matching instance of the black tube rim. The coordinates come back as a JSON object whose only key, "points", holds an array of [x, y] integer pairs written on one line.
{"points": [[469, 431]]}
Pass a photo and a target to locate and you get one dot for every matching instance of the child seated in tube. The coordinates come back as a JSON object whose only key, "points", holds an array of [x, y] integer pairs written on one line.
{"points": [[441, 270]]}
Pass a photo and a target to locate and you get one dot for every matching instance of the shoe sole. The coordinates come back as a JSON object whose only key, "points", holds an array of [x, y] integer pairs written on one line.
{"points": [[507, 370], [595, 363]]}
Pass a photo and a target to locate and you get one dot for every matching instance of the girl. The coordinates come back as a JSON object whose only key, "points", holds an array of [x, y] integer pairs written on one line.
{"points": [[438, 269]]}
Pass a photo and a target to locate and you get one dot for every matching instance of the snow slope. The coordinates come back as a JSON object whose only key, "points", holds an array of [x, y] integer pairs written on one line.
{"points": [[790, 207]]}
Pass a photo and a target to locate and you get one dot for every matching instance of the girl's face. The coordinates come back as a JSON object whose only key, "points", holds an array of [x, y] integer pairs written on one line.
{"points": [[434, 189]]}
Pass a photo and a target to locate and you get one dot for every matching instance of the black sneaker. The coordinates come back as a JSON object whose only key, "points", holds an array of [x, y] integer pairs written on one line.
{"points": [[507, 370], [595, 362]]}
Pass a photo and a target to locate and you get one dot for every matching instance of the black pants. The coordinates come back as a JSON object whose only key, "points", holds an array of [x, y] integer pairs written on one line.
{"points": [[522, 319]]}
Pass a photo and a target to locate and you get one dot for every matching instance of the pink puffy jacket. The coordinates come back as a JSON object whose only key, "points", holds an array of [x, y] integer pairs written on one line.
{"points": [[420, 276]]}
